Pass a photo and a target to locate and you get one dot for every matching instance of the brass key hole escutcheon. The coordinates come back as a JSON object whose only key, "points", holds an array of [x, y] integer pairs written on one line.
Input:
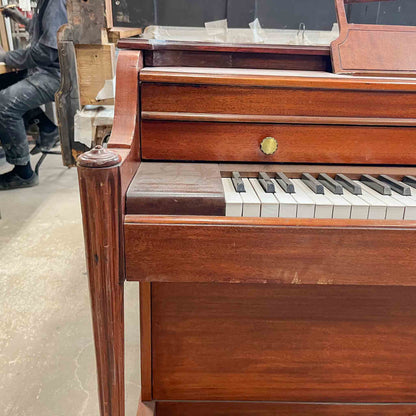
{"points": [[268, 145]]}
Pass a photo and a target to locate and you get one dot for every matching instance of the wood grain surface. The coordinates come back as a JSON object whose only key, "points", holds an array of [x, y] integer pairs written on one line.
{"points": [[283, 343], [380, 50], [274, 78], [101, 213], [103, 191], [146, 44], [294, 251], [176, 188], [229, 59], [283, 101], [279, 409], [240, 142]]}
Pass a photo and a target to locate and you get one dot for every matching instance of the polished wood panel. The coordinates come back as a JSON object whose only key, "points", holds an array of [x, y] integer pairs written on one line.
{"points": [[279, 409], [285, 101], [196, 58], [283, 343], [289, 79], [125, 132], [379, 50], [265, 119], [176, 189], [345, 252], [145, 44], [237, 142]]}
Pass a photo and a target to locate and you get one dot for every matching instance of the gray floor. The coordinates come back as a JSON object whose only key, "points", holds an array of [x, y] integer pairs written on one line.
{"points": [[47, 363]]}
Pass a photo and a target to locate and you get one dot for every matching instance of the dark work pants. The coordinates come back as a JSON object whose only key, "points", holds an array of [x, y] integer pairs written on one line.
{"points": [[31, 92]]}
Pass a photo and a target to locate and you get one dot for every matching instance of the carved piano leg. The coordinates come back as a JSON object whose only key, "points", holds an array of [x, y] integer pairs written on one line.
{"points": [[99, 180]]}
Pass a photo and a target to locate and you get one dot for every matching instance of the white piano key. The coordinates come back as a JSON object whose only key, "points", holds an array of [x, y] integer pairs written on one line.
{"points": [[233, 202], [377, 209], [342, 208], [323, 207], [251, 203], [306, 206], [359, 207], [409, 205], [287, 205], [394, 209], [269, 205]]}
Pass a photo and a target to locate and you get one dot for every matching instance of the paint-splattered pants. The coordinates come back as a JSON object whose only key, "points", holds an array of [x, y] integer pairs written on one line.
{"points": [[33, 91]]}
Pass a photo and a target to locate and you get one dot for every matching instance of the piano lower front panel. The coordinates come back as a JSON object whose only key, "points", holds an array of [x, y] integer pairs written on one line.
{"points": [[170, 408], [270, 250], [283, 343]]}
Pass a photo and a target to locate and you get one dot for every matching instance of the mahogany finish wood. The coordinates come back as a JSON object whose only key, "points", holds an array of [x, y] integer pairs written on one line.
{"points": [[145, 44], [378, 50], [280, 409], [192, 58], [283, 343], [101, 208], [284, 101], [176, 189], [275, 78], [104, 176], [238, 142], [265, 119], [341, 340], [276, 250]]}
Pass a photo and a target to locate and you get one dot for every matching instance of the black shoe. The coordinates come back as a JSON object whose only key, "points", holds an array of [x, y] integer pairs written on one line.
{"points": [[11, 180], [47, 140]]}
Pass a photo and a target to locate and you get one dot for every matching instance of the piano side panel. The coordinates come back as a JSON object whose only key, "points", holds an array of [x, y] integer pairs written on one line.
{"points": [[283, 343], [297, 143], [343, 252]]}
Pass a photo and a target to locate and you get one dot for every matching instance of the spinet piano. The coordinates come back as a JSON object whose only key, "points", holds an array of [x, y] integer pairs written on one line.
{"points": [[267, 209]]}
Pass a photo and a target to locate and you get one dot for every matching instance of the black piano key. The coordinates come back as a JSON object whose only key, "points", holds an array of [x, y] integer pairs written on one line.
{"points": [[331, 184], [410, 180], [285, 183], [238, 182], [373, 183], [397, 186], [266, 182], [312, 183], [348, 184]]}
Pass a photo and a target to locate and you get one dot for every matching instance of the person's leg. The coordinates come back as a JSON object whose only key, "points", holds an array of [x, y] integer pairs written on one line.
{"points": [[15, 101]]}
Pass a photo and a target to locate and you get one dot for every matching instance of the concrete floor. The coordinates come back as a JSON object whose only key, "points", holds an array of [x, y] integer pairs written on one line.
{"points": [[47, 362]]}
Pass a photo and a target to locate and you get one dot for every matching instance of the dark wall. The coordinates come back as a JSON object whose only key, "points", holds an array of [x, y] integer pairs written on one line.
{"points": [[316, 14]]}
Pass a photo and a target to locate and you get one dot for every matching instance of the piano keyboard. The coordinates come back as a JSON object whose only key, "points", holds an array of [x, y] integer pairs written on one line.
{"points": [[275, 195]]}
